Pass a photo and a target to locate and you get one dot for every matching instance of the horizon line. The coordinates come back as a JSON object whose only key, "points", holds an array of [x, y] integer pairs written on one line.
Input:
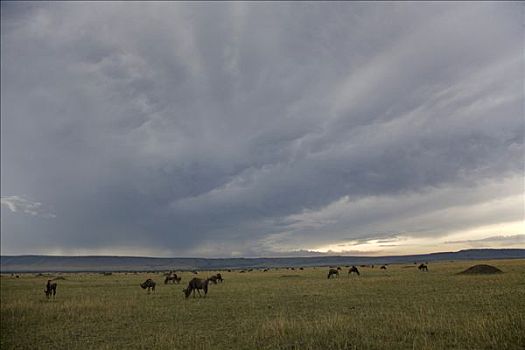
{"points": [[320, 255]]}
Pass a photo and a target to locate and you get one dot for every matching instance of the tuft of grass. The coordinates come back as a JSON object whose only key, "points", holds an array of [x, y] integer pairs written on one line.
{"points": [[399, 308]]}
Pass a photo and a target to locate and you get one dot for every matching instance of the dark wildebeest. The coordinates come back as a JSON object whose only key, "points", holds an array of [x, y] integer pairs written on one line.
{"points": [[196, 284], [173, 279], [353, 269], [423, 267], [219, 277], [333, 272], [383, 267], [149, 284], [339, 268], [51, 288]]}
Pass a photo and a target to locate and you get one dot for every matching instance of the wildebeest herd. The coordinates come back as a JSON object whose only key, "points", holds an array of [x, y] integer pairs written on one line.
{"points": [[198, 284]]}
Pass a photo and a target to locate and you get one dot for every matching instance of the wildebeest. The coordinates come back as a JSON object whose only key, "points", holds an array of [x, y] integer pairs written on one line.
{"points": [[51, 288], [339, 268], [219, 277], [353, 269], [174, 278], [196, 284], [149, 284], [333, 272], [423, 267], [383, 267]]}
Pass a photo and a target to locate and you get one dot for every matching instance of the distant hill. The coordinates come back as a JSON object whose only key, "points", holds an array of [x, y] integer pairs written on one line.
{"points": [[44, 263]]}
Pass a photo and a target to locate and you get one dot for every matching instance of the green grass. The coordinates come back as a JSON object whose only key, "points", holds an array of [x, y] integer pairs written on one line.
{"points": [[400, 308]]}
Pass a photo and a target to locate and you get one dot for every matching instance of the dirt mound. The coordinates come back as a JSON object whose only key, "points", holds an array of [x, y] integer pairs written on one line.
{"points": [[481, 270]]}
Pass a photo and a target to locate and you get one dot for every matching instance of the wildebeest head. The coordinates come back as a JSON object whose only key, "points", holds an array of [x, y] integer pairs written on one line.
{"points": [[187, 292], [143, 285]]}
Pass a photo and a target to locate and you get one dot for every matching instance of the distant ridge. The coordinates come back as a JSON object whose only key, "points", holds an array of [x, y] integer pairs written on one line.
{"points": [[46, 263]]}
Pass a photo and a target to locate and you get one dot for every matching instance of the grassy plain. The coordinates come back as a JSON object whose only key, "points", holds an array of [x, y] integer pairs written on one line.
{"points": [[400, 308]]}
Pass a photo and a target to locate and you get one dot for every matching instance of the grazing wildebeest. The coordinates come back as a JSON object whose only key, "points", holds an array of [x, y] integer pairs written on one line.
{"points": [[149, 284], [242, 271], [196, 284], [333, 272], [195, 272], [383, 267], [173, 279], [229, 270], [51, 288], [423, 267], [353, 269], [301, 269], [265, 270], [219, 277], [339, 268]]}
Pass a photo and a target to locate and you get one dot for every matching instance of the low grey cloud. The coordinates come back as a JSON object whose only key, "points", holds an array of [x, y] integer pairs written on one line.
{"points": [[251, 129], [503, 238]]}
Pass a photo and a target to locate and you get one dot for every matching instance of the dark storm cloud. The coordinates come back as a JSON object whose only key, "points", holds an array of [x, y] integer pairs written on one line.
{"points": [[253, 128]]}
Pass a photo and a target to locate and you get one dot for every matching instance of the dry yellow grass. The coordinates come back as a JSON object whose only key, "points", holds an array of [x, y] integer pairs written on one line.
{"points": [[400, 308]]}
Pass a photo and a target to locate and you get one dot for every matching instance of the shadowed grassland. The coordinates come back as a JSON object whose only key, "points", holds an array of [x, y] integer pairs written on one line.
{"points": [[400, 308]]}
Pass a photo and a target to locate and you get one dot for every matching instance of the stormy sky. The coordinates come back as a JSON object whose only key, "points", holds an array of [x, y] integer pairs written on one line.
{"points": [[261, 129]]}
